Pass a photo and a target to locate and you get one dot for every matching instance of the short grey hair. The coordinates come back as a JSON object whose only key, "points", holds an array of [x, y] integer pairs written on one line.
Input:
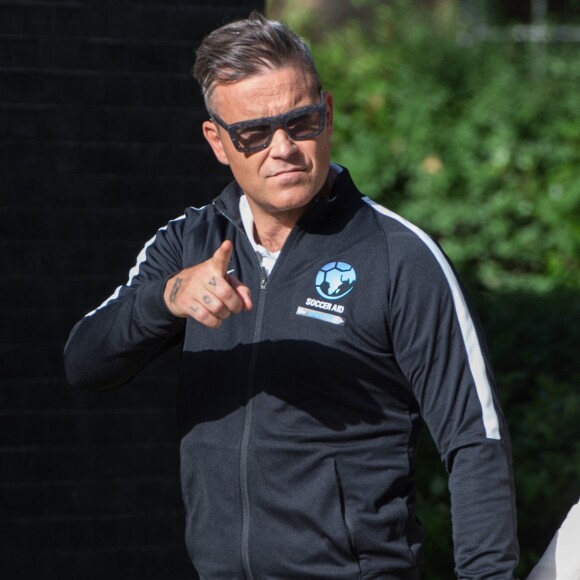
{"points": [[246, 47]]}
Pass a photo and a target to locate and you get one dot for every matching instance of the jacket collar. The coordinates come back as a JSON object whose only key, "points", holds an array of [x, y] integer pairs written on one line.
{"points": [[322, 209]]}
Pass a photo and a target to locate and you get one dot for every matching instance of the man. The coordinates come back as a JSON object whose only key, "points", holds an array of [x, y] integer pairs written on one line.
{"points": [[319, 330]]}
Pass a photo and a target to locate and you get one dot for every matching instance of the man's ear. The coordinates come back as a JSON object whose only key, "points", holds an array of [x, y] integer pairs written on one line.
{"points": [[210, 132], [329, 99]]}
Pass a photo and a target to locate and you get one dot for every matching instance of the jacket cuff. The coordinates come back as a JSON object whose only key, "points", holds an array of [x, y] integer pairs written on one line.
{"points": [[152, 310]]}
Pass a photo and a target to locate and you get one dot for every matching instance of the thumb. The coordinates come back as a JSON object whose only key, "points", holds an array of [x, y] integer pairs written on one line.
{"points": [[221, 257]]}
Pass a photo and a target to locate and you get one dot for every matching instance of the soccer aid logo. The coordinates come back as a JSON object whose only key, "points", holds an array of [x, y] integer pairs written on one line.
{"points": [[335, 280]]}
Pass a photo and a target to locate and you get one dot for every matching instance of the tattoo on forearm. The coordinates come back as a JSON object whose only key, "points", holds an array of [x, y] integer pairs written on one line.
{"points": [[175, 289], [206, 299], [213, 281]]}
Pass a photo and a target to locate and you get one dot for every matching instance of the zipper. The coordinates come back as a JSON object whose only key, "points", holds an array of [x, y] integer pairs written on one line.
{"points": [[247, 428], [263, 278]]}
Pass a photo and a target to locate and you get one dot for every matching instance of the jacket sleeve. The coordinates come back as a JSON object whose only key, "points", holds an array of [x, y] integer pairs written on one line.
{"points": [[440, 349], [111, 344]]}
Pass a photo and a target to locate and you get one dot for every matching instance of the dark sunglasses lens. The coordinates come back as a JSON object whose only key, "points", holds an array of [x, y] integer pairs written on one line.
{"points": [[253, 137], [304, 126]]}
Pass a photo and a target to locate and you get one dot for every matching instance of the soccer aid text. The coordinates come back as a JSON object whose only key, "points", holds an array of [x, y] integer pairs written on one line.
{"points": [[324, 305]]}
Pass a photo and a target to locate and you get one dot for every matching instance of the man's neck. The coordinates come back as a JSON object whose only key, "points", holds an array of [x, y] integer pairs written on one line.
{"points": [[271, 231]]}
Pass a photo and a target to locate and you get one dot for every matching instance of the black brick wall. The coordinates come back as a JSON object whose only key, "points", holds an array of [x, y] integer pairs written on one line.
{"points": [[100, 144]]}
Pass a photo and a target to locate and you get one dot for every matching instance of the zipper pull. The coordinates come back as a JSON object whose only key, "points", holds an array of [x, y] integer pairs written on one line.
{"points": [[263, 278]]}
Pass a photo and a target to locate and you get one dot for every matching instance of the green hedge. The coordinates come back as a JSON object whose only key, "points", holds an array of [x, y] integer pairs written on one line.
{"points": [[479, 144]]}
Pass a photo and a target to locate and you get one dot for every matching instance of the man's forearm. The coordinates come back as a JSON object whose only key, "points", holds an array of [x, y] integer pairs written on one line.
{"points": [[109, 346], [483, 511]]}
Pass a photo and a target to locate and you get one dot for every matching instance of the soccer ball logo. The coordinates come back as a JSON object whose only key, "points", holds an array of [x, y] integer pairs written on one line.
{"points": [[335, 280]]}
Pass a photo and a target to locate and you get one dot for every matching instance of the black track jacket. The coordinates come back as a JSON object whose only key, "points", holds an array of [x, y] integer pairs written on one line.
{"points": [[301, 416]]}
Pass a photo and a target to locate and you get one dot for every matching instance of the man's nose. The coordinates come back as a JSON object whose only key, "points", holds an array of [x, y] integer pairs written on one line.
{"points": [[282, 145]]}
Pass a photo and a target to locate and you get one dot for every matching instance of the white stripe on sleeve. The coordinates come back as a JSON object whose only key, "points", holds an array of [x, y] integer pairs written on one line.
{"points": [[135, 269], [470, 339]]}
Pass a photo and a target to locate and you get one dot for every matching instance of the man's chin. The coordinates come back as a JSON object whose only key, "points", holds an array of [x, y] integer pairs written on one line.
{"points": [[291, 202]]}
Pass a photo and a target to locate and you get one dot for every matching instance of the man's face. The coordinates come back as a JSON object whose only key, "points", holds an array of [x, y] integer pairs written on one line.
{"points": [[283, 178]]}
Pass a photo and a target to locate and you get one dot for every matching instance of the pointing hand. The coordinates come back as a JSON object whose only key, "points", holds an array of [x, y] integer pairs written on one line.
{"points": [[206, 292]]}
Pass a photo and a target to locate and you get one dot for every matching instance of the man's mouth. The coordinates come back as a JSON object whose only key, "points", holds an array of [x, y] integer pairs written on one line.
{"points": [[287, 171]]}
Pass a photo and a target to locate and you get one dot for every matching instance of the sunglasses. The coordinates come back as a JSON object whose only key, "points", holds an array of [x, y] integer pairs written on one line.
{"points": [[254, 135]]}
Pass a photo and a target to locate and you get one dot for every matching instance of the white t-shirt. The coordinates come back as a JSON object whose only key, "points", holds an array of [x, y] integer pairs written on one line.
{"points": [[266, 258]]}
